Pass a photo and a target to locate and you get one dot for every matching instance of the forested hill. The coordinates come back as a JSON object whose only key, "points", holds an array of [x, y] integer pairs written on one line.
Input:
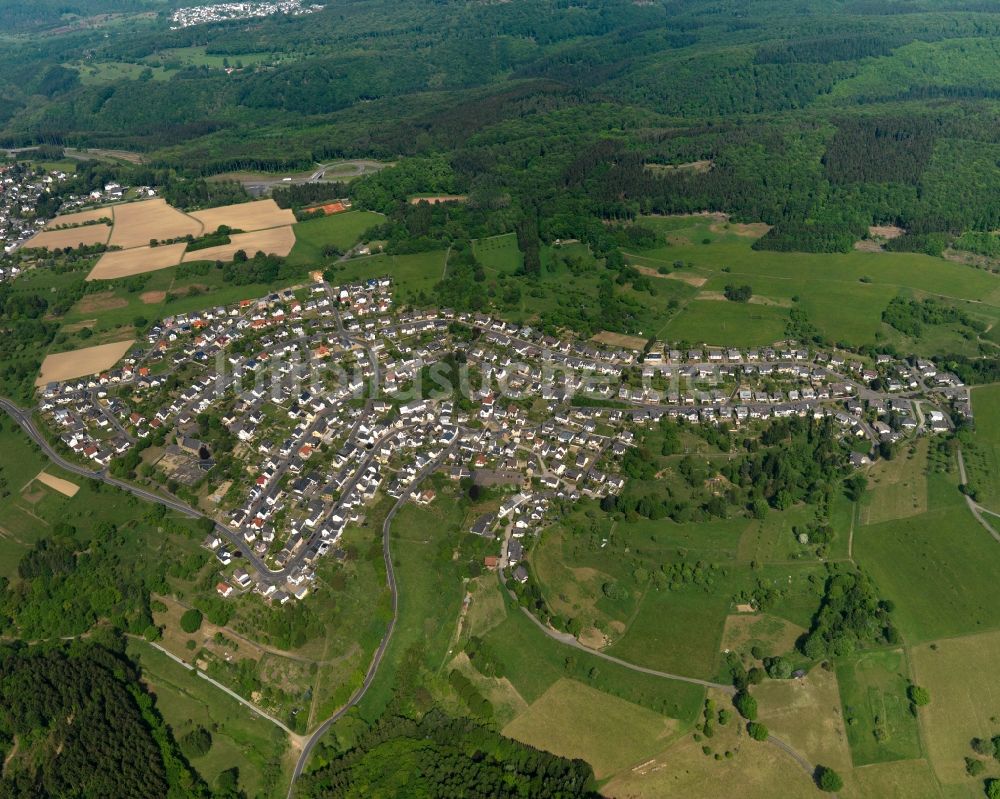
{"points": [[74, 721], [818, 118]]}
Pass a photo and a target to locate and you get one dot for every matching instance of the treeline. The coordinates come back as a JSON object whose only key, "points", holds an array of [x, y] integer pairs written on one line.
{"points": [[440, 757], [303, 194]]}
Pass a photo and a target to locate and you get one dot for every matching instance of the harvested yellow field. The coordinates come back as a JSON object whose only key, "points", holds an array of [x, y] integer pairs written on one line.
{"points": [[80, 218], [64, 487], [137, 223], [124, 263], [257, 215], [71, 237], [276, 241], [80, 363]]}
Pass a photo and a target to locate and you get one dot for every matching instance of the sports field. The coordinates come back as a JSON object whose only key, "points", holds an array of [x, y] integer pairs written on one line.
{"points": [[80, 363]]}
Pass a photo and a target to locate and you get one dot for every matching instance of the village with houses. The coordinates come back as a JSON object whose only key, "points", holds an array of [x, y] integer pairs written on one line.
{"points": [[327, 397]]}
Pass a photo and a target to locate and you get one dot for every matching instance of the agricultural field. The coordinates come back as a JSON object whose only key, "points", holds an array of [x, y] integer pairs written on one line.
{"points": [[82, 362], [574, 720], [273, 241], [84, 236], [136, 261], [257, 215], [136, 223], [880, 727]]}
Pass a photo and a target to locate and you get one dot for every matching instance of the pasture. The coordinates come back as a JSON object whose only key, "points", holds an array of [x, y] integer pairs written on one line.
{"points": [[843, 295], [682, 770], [984, 463], [880, 727], [964, 703], [576, 721], [82, 362], [499, 253], [897, 489], [342, 231], [412, 275], [939, 567]]}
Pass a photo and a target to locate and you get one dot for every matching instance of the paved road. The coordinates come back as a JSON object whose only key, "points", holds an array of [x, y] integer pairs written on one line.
{"points": [[320, 731], [23, 418]]}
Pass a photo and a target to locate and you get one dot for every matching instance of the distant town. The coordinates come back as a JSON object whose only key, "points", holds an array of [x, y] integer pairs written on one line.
{"points": [[223, 12]]}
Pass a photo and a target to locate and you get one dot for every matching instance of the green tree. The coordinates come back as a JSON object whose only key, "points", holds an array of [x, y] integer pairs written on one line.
{"points": [[746, 705], [191, 620], [758, 731], [828, 780]]}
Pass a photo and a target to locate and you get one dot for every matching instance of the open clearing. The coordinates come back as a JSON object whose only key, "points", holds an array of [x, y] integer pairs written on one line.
{"points": [[80, 363], [137, 223], [124, 263], [71, 237], [79, 218], [574, 720], [276, 241], [256, 215], [880, 727], [939, 567], [897, 488], [774, 635], [103, 301], [720, 296], [439, 198], [807, 714], [64, 487], [619, 340], [964, 701], [754, 770]]}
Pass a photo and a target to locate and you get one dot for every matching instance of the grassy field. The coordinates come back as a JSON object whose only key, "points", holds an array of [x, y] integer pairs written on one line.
{"points": [[733, 324], [499, 253], [963, 705], [880, 727], [412, 275], [939, 567], [984, 462], [897, 489], [827, 287], [574, 720], [342, 231], [240, 737], [684, 770], [430, 596]]}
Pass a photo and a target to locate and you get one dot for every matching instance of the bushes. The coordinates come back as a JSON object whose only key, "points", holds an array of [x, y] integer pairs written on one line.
{"points": [[191, 621], [746, 705], [476, 702]]}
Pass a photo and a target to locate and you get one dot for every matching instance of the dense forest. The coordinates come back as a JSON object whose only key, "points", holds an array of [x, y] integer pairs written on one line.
{"points": [[75, 721], [439, 757], [819, 120]]}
